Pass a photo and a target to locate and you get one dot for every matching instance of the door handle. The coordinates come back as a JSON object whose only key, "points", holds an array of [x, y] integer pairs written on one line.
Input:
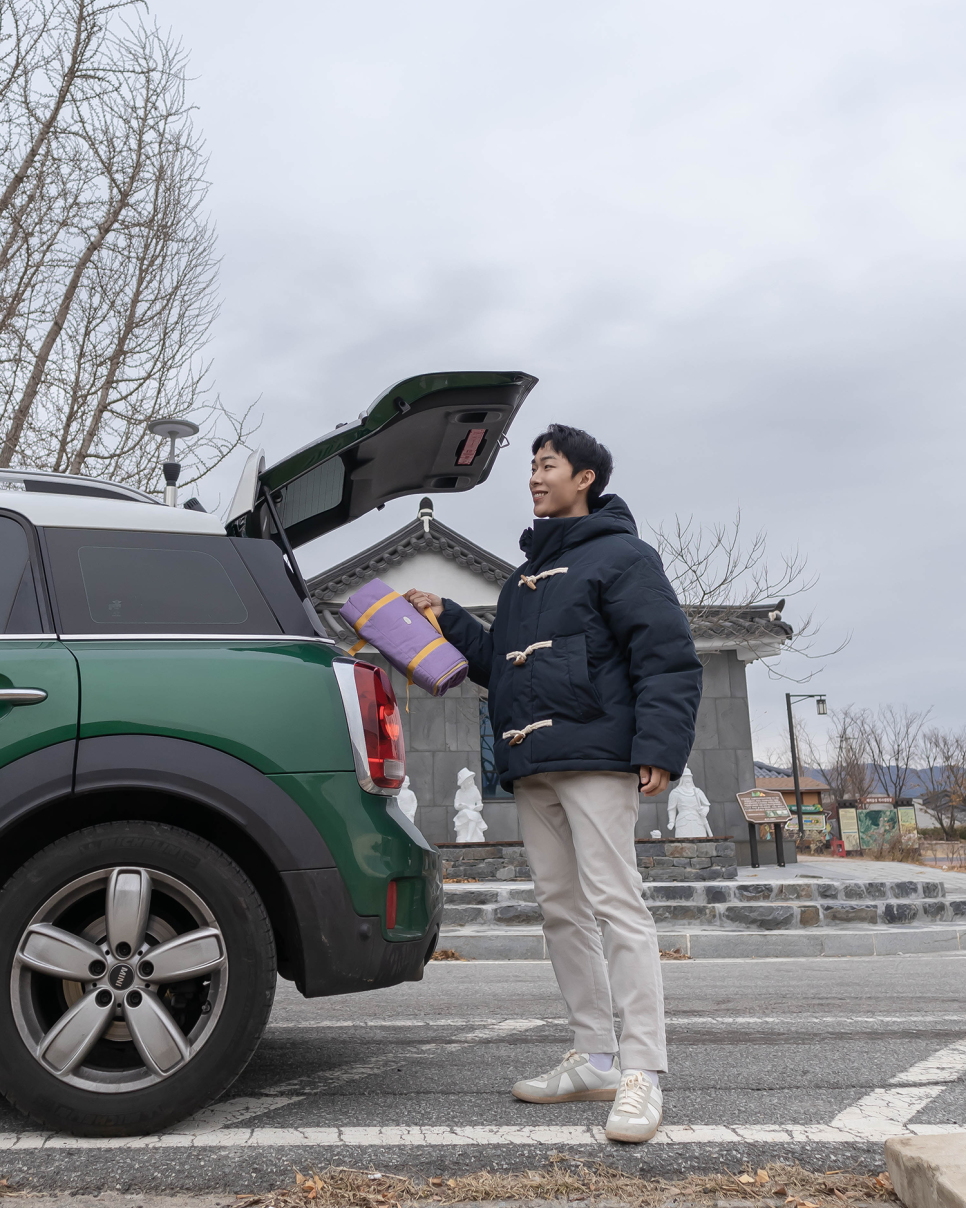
{"points": [[22, 696]]}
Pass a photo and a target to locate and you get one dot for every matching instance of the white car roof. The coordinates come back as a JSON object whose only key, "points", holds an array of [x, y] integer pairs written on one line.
{"points": [[87, 512]]}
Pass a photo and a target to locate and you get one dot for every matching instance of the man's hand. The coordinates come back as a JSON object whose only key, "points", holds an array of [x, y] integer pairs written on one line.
{"points": [[653, 780], [421, 600]]}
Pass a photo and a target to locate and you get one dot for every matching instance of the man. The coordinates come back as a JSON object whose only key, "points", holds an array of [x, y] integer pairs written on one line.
{"points": [[593, 687]]}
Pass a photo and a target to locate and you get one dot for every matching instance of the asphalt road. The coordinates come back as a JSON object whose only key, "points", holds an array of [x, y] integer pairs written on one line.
{"points": [[780, 1060]]}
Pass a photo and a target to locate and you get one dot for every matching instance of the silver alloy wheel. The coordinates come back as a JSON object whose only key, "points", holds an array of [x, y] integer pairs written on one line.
{"points": [[119, 979]]}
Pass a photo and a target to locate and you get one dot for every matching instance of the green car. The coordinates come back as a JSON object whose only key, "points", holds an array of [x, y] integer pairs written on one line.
{"points": [[197, 785]]}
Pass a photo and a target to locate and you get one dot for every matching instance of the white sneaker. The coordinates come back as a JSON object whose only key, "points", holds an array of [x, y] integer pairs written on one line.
{"points": [[574, 1080], [637, 1111]]}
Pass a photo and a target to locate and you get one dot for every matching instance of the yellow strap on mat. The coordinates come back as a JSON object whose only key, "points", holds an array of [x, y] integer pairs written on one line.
{"points": [[368, 615], [433, 645], [437, 642], [373, 609], [431, 617]]}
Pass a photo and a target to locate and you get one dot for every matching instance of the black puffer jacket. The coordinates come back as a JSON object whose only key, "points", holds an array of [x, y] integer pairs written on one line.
{"points": [[617, 682]]}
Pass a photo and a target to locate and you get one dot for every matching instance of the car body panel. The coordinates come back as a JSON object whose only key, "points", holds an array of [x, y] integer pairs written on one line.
{"points": [[371, 847], [133, 764], [272, 702], [437, 432], [343, 952], [47, 664]]}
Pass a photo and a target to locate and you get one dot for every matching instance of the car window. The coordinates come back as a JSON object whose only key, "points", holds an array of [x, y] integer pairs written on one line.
{"points": [[19, 611], [108, 582]]}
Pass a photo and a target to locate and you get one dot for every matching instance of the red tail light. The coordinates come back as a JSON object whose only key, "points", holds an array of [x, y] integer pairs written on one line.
{"points": [[381, 725], [391, 906]]}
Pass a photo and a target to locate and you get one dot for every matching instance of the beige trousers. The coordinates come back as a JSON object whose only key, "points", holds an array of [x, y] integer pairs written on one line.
{"points": [[578, 830]]}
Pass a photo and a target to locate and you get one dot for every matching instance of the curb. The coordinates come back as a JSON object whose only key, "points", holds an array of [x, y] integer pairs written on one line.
{"points": [[928, 1172], [527, 943]]}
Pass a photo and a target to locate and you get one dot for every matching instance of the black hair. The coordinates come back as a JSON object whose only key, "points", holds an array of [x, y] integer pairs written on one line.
{"points": [[583, 453]]}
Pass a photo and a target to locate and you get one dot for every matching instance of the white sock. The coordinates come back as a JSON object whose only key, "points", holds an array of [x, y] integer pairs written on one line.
{"points": [[601, 1061], [654, 1076]]}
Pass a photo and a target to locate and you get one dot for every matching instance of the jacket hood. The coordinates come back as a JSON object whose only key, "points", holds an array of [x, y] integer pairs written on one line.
{"points": [[551, 537]]}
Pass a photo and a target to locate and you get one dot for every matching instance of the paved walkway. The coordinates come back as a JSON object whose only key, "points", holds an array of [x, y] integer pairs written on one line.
{"points": [[830, 869]]}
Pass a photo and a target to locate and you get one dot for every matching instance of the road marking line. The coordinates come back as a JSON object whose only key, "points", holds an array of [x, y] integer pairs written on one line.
{"points": [[219, 1116], [886, 1109], [233, 1111], [485, 1135], [881, 1111], [945, 1066], [784, 1021]]}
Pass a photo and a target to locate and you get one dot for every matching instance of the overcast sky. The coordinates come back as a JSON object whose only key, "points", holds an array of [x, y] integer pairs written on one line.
{"points": [[729, 240]]}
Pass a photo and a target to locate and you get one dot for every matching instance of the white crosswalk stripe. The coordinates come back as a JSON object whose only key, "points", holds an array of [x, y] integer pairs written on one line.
{"points": [[884, 1112], [483, 1135]]}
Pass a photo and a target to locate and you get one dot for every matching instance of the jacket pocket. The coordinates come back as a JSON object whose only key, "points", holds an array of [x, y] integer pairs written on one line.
{"points": [[561, 683]]}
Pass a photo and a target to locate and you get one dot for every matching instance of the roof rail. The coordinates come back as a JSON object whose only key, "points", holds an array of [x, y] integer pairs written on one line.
{"points": [[51, 483]]}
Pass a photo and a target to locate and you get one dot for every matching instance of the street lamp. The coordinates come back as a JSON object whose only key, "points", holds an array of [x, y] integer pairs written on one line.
{"points": [[173, 429], [821, 708]]}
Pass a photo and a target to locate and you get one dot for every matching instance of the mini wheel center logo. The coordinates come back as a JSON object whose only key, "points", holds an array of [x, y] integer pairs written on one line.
{"points": [[121, 977]]}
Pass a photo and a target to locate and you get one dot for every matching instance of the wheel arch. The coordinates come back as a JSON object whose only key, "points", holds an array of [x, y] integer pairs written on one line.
{"points": [[153, 779]]}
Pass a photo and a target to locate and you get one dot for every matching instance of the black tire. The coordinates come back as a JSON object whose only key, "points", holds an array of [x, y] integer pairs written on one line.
{"points": [[220, 1039]]}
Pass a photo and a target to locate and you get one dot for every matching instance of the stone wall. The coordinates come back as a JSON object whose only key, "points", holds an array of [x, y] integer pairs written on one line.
{"points": [[721, 758], [674, 860]]}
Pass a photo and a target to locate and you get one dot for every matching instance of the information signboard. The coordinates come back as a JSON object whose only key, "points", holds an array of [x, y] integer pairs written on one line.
{"points": [[763, 805], [812, 824], [907, 820], [849, 829], [876, 826]]}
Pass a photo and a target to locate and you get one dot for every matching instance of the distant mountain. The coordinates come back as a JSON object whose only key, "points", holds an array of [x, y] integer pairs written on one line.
{"points": [[917, 779]]}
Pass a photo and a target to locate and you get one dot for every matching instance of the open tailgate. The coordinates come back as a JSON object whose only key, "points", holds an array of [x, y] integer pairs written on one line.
{"points": [[437, 432]]}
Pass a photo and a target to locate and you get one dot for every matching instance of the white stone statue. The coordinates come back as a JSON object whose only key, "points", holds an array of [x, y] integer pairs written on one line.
{"points": [[469, 808], [407, 800], [655, 834], [687, 809]]}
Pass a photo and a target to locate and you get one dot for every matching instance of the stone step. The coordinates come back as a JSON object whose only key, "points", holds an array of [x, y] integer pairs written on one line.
{"points": [[747, 907], [695, 860], [485, 892], [527, 943]]}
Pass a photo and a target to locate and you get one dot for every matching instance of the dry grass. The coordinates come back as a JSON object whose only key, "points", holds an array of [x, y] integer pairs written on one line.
{"points": [[461, 880], [903, 849], [450, 954], [565, 1178]]}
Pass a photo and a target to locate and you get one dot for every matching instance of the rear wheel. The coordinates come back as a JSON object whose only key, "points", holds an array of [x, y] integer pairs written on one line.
{"points": [[138, 971]]}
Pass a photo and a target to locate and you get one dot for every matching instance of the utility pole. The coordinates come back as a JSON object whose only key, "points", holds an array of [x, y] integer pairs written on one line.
{"points": [[821, 707]]}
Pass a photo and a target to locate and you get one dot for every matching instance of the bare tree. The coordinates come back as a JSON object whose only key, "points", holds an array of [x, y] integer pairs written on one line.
{"points": [[943, 756], [108, 293], [843, 760], [892, 738], [718, 574]]}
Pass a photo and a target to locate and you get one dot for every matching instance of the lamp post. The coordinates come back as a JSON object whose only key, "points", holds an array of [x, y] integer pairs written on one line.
{"points": [[173, 429], [821, 708]]}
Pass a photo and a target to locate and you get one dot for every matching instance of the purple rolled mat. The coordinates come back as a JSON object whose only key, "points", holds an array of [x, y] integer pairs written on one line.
{"points": [[414, 645]]}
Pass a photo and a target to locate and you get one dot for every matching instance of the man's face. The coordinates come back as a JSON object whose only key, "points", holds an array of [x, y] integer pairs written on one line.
{"points": [[555, 489]]}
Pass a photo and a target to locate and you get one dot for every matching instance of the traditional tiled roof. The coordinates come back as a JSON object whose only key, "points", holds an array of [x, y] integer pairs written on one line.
{"points": [[424, 535], [786, 784], [740, 624], [781, 779]]}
